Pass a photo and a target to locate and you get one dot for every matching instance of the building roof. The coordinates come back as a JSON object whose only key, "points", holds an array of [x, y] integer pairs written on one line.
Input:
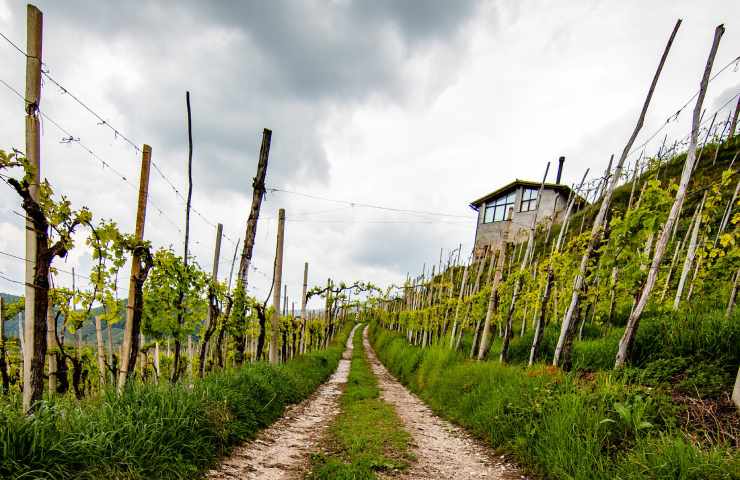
{"points": [[475, 204]]}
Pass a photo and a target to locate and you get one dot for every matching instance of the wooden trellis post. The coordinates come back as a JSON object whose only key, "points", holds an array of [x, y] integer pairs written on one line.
{"points": [[130, 345], [278, 278]]}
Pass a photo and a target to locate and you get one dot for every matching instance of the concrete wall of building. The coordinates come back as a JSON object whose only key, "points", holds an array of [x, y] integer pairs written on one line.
{"points": [[491, 235]]}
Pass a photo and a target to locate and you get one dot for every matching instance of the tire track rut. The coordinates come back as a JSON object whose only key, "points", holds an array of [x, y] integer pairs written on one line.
{"points": [[443, 450], [281, 451]]}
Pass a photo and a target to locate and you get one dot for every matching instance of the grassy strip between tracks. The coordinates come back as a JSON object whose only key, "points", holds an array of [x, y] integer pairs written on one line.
{"points": [[367, 436]]}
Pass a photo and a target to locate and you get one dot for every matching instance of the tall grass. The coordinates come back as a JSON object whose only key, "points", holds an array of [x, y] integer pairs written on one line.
{"points": [[165, 431], [557, 424]]}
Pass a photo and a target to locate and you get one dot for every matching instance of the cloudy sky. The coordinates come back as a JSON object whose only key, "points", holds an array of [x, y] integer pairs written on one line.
{"points": [[413, 105]]}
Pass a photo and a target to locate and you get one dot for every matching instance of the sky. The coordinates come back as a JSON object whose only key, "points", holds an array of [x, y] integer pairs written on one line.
{"points": [[409, 105]]}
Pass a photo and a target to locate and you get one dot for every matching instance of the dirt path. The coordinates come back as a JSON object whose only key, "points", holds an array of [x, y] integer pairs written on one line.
{"points": [[443, 450], [281, 451]]}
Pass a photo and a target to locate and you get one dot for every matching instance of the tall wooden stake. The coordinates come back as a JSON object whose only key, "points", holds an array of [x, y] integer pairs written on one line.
{"points": [[101, 350], [278, 278], [258, 191], [304, 320], [213, 312], [35, 341], [567, 331], [508, 330], [733, 125], [3, 362], [625, 343], [180, 310], [130, 345]]}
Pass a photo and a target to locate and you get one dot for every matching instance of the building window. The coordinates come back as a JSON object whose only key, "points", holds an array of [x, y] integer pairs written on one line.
{"points": [[496, 209], [529, 200]]}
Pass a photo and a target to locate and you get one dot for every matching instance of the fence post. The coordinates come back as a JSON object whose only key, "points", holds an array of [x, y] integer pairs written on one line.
{"points": [[275, 319], [130, 345], [35, 341], [258, 191], [302, 348]]}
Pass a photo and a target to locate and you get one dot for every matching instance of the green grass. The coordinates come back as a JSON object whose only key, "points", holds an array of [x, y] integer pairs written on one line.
{"points": [[167, 432], [367, 436], [559, 425]]}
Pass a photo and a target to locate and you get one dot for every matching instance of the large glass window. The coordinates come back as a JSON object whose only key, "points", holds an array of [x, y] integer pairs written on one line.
{"points": [[529, 200], [496, 209]]}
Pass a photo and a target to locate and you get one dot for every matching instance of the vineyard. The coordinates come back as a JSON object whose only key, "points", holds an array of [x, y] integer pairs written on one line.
{"points": [[600, 343]]}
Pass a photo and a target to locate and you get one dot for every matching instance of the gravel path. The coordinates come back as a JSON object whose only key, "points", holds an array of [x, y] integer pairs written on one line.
{"points": [[282, 450], [443, 451]]}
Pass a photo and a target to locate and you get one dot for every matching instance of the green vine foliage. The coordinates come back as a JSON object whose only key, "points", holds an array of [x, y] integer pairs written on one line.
{"points": [[168, 279]]}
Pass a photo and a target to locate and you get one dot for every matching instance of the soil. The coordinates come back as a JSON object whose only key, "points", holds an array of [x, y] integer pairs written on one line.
{"points": [[442, 450], [282, 450]]}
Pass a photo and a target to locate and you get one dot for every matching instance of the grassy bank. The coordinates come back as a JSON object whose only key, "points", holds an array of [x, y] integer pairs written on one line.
{"points": [[367, 436], [596, 426], [151, 431]]}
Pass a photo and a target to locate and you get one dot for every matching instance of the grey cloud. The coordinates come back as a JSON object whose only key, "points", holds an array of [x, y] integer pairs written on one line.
{"points": [[249, 65], [401, 247]]}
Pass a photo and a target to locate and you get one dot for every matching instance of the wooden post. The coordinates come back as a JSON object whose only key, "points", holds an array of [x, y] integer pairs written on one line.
{"points": [[51, 343], [278, 277], [35, 341], [302, 348], [3, 363], [156, 362], [212, 307], [130, 345], [625, 343], [190, 357], [459, 302], [101, 350], [733, 125], [258, 191], [565, 341], [493, 301], [541, 317], [110, 351], [527, 258], [690, 254], [181, 297]]}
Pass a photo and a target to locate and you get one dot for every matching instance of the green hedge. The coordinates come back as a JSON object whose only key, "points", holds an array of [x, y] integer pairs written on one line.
{"points": [[167, 432], [556, 424]]}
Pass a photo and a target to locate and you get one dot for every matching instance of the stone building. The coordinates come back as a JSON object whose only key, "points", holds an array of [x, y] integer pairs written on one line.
{"points": [[506, 213]]}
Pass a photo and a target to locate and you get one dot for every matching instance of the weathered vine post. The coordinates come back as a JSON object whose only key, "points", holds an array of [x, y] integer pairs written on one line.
{"points": [[508, 330], [130, 345], [101, 350], [51, 344], [493, 299], [690, 254], [34, 331], [459, 302], [3, 363], [625, 343], [567, 330], [181, 297], [258, 192], [541, 318], [304, 320], [213, 312], [733, 124], [278, 278]]}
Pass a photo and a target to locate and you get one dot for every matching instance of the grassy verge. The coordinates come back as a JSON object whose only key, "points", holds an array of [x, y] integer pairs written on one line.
{"points": [[167, 432], [367, 436], [563, 426]]}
